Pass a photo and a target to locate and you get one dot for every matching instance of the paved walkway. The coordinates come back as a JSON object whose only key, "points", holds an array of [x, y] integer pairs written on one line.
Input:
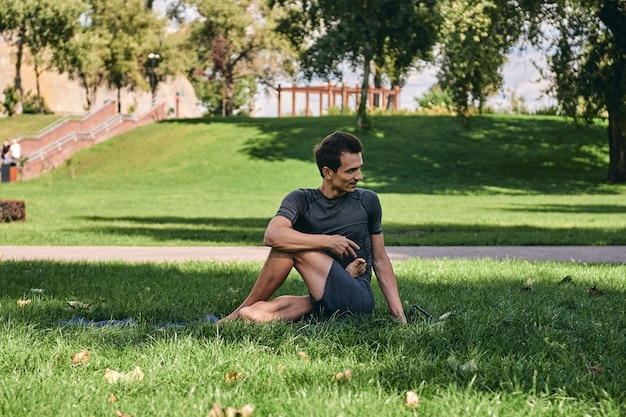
{"points": [[592, 254]]}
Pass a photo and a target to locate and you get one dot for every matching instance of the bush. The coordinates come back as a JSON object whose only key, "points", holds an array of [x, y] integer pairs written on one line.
{"points": [[12, 210], [31, 105], [10, 100]]}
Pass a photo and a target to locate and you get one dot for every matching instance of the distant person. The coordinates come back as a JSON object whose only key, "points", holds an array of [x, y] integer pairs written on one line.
{"points": [[333, 236], [6, 156], [16, 151]]}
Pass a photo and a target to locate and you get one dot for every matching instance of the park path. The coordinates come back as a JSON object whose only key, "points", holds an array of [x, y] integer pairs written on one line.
{"points": [[591, 254]]}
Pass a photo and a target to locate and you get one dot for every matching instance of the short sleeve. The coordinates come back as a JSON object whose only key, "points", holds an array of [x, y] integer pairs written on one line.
{"points": [[293, 205], [374, 212]]}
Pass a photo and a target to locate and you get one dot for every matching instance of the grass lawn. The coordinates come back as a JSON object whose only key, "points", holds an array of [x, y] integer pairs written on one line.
{"points": [[515, 338], [11, 127], [508, 181], [517, 342]]}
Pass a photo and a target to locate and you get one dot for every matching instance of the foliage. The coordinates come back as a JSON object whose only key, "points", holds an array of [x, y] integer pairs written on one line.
{"points": [[588, 63], [436, 98], [11, 98], [41, 26], [34, 105], [389, 33], [476, 36], [236, 42], [129, 26]]}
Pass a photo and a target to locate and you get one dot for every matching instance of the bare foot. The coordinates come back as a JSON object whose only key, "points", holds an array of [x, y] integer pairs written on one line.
{"points": [[357, 267]]}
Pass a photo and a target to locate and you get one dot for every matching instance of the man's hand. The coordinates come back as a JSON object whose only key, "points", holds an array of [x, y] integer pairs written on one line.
{"points": [[342, 246]]}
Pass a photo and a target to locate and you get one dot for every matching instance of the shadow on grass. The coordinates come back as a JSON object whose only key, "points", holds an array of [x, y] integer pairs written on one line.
{"points": [[250, 231], [433, 154], [544, 337]]}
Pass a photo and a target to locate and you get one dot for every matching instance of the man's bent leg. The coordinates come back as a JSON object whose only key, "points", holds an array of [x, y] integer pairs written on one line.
{"points": [[275, 270], [286, 307]]}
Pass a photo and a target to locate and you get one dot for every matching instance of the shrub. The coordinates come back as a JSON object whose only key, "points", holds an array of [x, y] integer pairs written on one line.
{"points": [[10, 100], [12, 210]]}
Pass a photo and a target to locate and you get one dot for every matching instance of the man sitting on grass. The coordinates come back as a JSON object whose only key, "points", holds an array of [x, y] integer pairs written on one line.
{"points": [[333, 236]]}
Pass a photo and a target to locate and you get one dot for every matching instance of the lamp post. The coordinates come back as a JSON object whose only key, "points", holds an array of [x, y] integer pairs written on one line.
{"points": [[153, 58]]}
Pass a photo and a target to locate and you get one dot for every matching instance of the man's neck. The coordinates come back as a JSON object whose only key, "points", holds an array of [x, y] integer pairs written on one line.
{"points": [[330, 192]]}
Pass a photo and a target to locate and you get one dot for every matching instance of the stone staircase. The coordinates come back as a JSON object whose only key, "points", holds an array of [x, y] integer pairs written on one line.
{"points": [[49, 148]]}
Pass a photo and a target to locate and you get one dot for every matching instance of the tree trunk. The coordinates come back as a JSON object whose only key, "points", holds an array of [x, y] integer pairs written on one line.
{"points": [[617, 144], [361, 115], [227, 104], [38, 86], [119, 99], [19, 106]]}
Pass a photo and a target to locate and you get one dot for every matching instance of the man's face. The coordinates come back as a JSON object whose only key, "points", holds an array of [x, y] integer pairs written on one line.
{"points": [[348, 174]]}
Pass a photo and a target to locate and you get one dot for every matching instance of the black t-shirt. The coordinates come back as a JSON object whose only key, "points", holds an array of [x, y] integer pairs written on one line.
{"points": [[356, 215]]}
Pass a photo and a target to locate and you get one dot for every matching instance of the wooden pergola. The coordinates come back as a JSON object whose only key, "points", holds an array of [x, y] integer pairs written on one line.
{"points": [[342, 91]]}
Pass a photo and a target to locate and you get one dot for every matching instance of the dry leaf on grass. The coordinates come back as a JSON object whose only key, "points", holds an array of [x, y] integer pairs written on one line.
{"points": [[594, 370], [594, 291], [411, 399], [23, 303], [81, 358], [113, 377], [342, 376], [112, 398], [304, 356], [218, 411], [233, 376], [78, 304], [118, 413]]}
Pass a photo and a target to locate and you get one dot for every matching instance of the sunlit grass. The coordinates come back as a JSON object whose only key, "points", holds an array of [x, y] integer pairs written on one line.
{"points": [[509, 180], [517, 340]]}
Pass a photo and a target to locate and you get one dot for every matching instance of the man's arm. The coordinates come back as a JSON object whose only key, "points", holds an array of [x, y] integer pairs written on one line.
{"points": [[386, 277], [281, 235]]}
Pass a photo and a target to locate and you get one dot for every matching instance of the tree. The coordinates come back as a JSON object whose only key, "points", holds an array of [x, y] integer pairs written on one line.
{"points": [[235, 41], [41, 27], [48, 26], [83, 59], [476, 37], [588, 62], [393, 34], [129, 28]]}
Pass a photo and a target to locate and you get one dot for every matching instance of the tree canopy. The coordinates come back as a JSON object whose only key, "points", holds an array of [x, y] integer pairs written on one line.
{"points": [[393, 34]]}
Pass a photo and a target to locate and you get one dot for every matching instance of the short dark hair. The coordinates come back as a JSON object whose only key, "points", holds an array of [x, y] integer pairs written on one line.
{"points": [[328, 152]]}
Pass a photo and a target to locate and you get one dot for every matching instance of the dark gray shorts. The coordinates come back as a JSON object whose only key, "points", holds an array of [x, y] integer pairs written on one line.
{"points": [[344, 294]]}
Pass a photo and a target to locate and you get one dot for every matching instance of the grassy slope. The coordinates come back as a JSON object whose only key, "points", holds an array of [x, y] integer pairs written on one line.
{"points": [[509, 180]]}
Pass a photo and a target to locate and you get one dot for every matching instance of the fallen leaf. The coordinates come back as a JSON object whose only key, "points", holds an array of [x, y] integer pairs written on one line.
{"points": [[594, 370], [113, 377], [304, 356], [216, 411], [80, 358], [232, 376], [246, 411], [345, 375], [594, 291], [23, 303], [78, 304], [118, 413], [566, 280], [411, 399], [469, 367], [112, 398], [231, 412]]}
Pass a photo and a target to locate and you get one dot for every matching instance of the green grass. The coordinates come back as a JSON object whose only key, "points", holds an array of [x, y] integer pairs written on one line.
{"points": [[507, 181], [517, 343], [14, 126]]}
